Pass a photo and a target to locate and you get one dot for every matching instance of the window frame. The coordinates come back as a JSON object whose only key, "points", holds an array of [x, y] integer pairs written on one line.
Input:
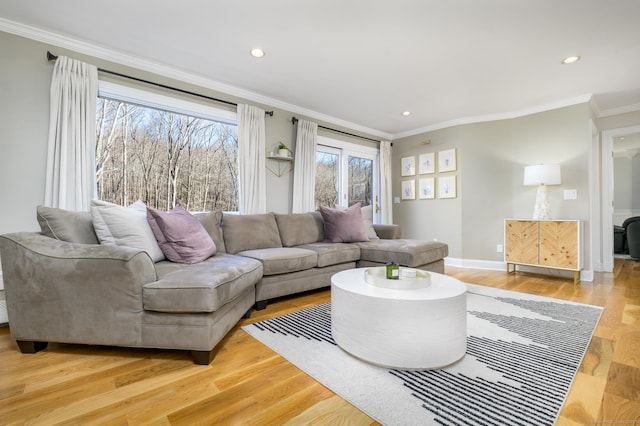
{"points": [[344, 150], [132, 95], [149, 99]]}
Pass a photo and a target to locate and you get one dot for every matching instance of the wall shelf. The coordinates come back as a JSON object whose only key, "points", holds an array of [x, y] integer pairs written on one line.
{"points": [[279, 165]]}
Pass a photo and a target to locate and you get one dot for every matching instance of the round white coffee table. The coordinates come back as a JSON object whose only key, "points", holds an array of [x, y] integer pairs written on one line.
{"points": [[411, 329]]}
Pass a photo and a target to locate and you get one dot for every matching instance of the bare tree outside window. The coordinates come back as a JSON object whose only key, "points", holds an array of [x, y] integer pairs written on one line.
{"points": [[165, 159], [327, 176], [360, 180]]}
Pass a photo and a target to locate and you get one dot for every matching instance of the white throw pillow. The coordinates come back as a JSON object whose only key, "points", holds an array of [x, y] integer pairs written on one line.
{"points": [[125, 226], [367, 217]]}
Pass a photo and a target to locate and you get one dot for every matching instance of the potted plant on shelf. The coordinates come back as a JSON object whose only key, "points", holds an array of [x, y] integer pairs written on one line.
{"points": [[283, 151]]}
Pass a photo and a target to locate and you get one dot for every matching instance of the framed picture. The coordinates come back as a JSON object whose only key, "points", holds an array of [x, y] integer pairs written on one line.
{"points": [[447, 187], [447, 160], [408, 166], [427, 163], [409, 189], [426, 188]]}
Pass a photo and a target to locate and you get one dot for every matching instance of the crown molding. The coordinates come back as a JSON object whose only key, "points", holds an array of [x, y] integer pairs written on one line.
{"points": [[126, 59], [617, 111], [499, 116]]}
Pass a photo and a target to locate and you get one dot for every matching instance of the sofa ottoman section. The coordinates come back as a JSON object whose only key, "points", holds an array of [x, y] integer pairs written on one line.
{"points": [[200, 287], [409, 253], [282, 260]]}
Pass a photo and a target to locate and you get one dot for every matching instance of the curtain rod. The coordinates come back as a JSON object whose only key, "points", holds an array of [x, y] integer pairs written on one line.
{"points": [[52, 57], [294, 120]]}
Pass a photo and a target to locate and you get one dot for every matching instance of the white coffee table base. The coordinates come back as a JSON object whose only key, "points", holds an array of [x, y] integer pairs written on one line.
{"points": [[405, 329]]}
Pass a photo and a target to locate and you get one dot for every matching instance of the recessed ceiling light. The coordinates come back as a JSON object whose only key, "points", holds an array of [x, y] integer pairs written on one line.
{"points": [[406, 113], [257, 53], [570, 60]]}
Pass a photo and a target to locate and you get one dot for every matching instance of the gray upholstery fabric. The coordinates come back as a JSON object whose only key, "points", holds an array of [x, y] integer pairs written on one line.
{"points": [[200, 287], [212, 222], [388, 232], [271, 286], [73, 293], [300, 228], [114, 295], [333, 253], [196, 331], [66, 225], [250, 232], [281, 260], [411, 253]]}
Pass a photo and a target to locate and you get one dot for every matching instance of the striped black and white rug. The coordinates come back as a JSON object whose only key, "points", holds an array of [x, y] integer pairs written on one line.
{"points": [[523, 352]]}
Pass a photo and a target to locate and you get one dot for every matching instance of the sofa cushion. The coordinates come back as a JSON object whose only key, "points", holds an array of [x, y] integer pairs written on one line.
{"points": [[212, 222], [300, 228], [283, 259], [250, 232], [181, 236], [333, 253], [343, 226], [66, 225], [125, 226], [411, 253], [200, 287]]}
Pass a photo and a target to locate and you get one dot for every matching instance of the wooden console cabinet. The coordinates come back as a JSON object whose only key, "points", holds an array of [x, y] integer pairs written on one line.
{"points": [[544, 244]]}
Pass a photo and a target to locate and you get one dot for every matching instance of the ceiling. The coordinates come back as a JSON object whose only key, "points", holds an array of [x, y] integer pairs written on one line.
{"points": [[361, 63]]}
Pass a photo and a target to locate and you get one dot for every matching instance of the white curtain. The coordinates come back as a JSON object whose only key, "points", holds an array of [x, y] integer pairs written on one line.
{"points": [[71, 175], [386, 187], [304, 171], [251, 160]]}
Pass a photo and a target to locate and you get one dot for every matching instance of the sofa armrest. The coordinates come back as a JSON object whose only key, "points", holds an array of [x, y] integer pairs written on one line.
{"points": [[387, 232], [74, 293]]}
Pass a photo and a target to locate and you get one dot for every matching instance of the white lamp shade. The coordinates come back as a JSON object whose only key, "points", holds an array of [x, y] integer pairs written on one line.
{"points": [[542, 174]]}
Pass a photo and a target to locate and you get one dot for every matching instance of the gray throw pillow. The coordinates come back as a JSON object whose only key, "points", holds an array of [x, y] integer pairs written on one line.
{"points": [[66, 225]]}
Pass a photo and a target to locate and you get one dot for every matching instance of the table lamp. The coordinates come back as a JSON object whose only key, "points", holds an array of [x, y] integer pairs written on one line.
{"points": [[542, 175]]}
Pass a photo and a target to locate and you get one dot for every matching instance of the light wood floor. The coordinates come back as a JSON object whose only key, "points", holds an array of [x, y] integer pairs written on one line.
{"points": [[247, 383]]}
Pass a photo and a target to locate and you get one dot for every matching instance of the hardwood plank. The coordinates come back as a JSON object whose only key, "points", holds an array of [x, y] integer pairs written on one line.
{"points": [[247, 383], [583, 401], [598, 358]]}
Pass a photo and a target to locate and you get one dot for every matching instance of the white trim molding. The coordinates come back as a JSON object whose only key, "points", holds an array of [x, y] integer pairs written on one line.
{"points": [[494, 265]]}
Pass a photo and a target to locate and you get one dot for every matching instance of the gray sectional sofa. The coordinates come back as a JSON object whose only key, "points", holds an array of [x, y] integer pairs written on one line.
{"points": [[63, 286]]}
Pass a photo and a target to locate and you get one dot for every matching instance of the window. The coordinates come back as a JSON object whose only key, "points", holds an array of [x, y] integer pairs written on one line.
{"points": [[165, 151], [345, 174]]}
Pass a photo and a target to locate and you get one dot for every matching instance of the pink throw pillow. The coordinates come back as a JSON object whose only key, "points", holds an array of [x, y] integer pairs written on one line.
{"points": [[180, 235], [343, 226]]}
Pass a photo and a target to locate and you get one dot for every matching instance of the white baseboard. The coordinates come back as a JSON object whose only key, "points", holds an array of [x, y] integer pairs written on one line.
{"points": [[495, 265]]}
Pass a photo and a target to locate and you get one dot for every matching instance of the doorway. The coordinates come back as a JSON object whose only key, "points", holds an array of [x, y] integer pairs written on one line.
{"points": [[609, 138]]}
